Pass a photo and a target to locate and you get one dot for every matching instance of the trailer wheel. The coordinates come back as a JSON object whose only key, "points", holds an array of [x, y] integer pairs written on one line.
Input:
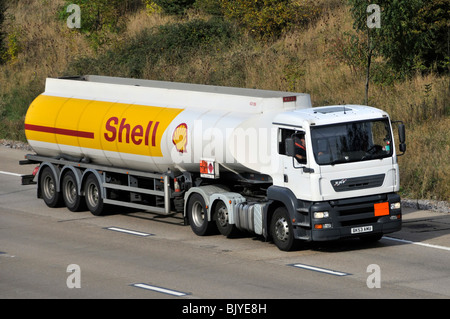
{"points": [[92, 192], [197, 215], [50, 195], [222, 220], [72, 199], [282, 231]]}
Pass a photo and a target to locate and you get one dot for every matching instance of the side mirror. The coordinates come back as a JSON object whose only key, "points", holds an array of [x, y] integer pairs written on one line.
{"points": [[401, 137], [290, 147], [401, 133]]}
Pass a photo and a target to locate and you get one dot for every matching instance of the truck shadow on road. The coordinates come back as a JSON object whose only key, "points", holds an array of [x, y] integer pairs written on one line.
{"points": [[172, 219], [413, 230], [416, 230]]}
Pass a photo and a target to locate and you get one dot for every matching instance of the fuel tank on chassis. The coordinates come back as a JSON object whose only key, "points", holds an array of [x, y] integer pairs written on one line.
{"points": [[156, 126]]}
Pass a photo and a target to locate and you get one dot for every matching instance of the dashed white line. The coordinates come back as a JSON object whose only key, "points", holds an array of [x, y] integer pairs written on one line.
{"points": [[417, 243], [161, 290], [322, 270], [127, 231]]}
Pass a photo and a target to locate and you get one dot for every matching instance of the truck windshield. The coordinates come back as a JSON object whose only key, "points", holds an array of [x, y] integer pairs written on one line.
{"points": [[351, 142]]}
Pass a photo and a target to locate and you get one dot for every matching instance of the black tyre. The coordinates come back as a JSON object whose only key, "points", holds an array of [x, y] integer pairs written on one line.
{"points": [[221, 216], [73, 201], [48, 188], [198, 216], [93, 195], [282, 231]]}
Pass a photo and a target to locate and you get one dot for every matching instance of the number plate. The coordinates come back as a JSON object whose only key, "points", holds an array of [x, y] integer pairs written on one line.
{"points": [[364, 229]]}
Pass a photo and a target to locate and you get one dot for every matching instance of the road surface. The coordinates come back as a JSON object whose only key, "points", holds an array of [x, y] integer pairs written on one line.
{"points": [[55, 253]]}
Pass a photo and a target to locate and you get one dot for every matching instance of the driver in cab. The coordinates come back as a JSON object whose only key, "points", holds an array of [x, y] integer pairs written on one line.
{"points": [[300, 148]]}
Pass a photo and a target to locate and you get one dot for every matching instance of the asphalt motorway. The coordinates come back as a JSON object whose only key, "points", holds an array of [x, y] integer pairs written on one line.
{"points": [[54, 253]]}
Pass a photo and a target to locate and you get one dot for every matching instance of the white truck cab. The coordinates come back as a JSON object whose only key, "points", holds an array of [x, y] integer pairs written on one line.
{"points": [[346, 184]]}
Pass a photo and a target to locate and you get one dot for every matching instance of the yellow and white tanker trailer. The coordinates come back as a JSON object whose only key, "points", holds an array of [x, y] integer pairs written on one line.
{"points": [[226, 158]]}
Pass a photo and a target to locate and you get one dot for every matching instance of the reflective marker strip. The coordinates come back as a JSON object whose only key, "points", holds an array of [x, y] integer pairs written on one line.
{"points": [[323, 270], [127, 231], [12, 174], [161, 290], [416, 243]]}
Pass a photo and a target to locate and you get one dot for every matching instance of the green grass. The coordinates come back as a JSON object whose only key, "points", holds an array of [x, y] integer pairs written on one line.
{"points": [[169, 45], [196, 48], [13, 107]]}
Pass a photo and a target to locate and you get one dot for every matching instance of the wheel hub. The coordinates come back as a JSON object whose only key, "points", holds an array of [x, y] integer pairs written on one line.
{"points": [[282, 229], [222, 216]]}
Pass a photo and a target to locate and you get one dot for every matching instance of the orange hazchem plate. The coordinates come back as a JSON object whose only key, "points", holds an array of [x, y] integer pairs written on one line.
{"points": [[381, 209]]}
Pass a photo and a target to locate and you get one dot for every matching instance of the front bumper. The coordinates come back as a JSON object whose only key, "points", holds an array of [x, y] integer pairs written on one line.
{"points": [[353, 217]]}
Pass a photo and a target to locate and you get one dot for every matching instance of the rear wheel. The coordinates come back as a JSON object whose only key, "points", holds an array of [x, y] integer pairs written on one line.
{"points": [[49, 193], [221, 216], [282, 231], [197, 214], [72, 199], [93, 195]]}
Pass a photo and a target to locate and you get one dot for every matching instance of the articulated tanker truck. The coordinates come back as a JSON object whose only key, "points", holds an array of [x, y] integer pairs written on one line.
{"points": [[225, 158]]}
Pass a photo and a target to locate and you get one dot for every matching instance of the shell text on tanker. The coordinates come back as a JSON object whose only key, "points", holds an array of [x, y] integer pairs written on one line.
{"points": [[124, 133]]}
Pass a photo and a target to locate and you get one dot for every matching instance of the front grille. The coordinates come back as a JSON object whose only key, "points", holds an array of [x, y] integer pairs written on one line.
{"points": [[355, 183], [357, 211]]}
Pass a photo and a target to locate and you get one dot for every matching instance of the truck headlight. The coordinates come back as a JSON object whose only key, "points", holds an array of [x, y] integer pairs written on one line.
{"points": [[396, 205], [321, 215]]}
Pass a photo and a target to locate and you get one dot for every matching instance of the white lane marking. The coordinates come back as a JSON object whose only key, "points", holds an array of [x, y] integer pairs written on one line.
{"points": [[323, 270], [9, 173], [161, 290], [417, 243], [127, 231]]}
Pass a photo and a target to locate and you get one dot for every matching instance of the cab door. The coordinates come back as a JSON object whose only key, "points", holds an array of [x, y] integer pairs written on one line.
{"points": [[295, 152]]}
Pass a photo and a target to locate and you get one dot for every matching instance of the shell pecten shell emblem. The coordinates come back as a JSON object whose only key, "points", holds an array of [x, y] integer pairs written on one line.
{"points": [[179, 137]]}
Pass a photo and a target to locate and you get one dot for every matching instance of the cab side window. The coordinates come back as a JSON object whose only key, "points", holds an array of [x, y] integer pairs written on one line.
{"points": [[298, 138], [300, 147], [283, 134]]}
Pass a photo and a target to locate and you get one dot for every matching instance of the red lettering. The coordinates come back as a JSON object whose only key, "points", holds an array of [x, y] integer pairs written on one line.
{"points": [[137, 131], [127, 128], [147, 132], [126, 133], [154, 134], [111, 129]]}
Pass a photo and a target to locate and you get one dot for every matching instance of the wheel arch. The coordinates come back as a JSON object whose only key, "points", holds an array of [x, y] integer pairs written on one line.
{"points": [[282, 196], [208, 193], [97, 175], [56, 173], [78, 177], [274, 204]]}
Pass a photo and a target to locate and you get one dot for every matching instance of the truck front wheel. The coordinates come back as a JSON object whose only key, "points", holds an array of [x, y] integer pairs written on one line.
{"points": [[282, 231], [198, 216]]}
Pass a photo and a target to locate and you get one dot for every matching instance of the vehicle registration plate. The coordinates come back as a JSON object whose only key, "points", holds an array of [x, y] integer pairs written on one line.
{"points": [[364, 229]]}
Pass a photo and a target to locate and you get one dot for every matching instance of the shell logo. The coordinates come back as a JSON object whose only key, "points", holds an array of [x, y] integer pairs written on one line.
{"points": [[179, 137]]}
